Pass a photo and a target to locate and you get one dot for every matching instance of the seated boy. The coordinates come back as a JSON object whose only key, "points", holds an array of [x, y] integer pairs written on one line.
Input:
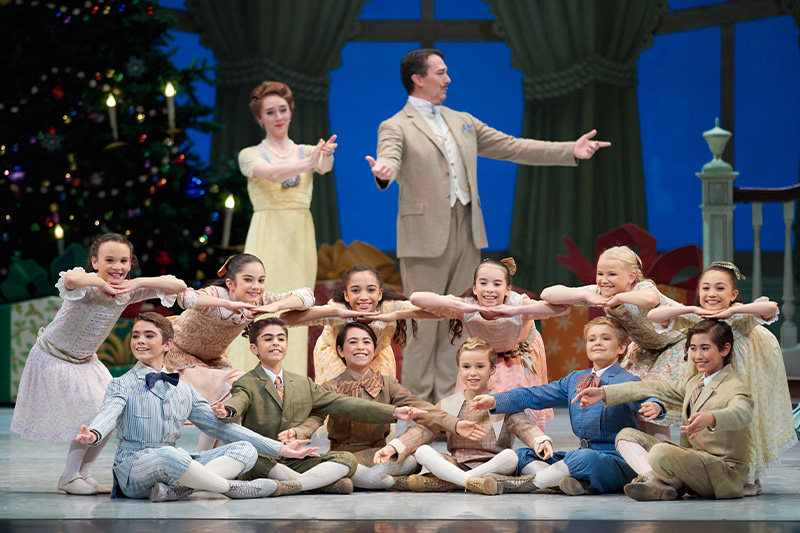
{"points": [[271, 400], [596, 466], [469, 462], [717, 408], [355, 344], [148, 409]]}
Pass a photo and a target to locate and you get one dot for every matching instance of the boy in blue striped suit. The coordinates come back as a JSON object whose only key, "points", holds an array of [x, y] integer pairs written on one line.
{"points": [[148, 407], [596, 466]]}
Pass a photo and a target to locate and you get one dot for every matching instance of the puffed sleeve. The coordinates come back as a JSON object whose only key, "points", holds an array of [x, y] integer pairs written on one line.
{"points": [[67, 294], [249, 159]]}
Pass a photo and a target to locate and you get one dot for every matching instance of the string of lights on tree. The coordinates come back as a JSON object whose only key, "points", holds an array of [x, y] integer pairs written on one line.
{"points": [[93, 117]]}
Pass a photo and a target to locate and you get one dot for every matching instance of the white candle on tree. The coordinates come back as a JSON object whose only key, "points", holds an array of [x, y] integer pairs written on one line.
{"points": [[169, 91], [230, 203], [111, 102], [59, 231]]}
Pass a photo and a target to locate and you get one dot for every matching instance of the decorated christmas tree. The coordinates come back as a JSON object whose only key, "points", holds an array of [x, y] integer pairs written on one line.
{"points": [[93, 116]]}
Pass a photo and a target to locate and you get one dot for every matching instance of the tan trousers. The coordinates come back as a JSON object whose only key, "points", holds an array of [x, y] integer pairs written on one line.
{"points": [[669, 460], [429, 360]]}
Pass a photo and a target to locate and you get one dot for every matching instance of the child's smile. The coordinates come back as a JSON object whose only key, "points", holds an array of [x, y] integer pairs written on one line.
{"points": [[358, 350], [363, 291], [248, 286], [612, 278], [491, 285], [113, 261], [474, 369], [271, 347], [716, 290]]}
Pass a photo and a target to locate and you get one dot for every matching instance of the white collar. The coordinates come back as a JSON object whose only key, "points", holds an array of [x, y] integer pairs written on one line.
{"points": [[272, 375], [423, 106]]}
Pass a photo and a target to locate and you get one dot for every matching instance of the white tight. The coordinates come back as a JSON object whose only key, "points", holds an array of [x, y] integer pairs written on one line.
{"points": [[504, 462]]}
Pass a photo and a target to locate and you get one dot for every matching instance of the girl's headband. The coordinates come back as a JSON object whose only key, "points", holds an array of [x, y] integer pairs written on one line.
{"points": [[729, 266], [224, 268], [508, 262]]}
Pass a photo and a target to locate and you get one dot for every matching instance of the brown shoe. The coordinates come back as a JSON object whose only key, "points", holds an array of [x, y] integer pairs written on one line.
{"points": [[287, 487], [340, 486], [573, 487], [484, 485], [400, 483], [514, 483], [648, 488], [419, 483]]}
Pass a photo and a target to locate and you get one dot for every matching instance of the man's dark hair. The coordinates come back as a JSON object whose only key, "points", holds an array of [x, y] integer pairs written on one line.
{"points": [[416, 62]]}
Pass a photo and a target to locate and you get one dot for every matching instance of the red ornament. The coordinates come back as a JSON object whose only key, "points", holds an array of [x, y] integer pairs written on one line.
{"points": [[202, 257], [163, 257], [58, 92]]}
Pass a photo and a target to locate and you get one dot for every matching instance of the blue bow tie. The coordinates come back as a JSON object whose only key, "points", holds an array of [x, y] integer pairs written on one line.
{"points": [[151, 378]]}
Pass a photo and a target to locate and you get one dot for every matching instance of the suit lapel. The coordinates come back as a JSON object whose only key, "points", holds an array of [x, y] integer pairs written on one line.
{"points": [[456, 130], [269, 386], [452, 404], [422, 125], [709, 389]]}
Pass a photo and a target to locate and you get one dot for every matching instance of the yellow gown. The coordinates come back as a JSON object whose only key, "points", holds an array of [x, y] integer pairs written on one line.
{"points": [[282, 235]]}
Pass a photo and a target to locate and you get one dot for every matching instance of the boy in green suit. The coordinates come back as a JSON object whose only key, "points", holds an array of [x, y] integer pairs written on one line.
{"points": [[271, 400]]}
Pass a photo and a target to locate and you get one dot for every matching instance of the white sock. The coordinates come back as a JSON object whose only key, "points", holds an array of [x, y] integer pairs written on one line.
{"points": [[90, 457], [394, 468], [283, 473], [226, 467], [440, 467], [504, 462], [635, 455], [374, 477], [323, 475], [75, 456], [205, 443], [534, 467], [198, 477], [551, 476]]}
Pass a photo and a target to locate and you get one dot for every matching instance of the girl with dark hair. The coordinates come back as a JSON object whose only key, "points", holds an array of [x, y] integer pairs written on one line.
{"points": [[361, 296], [757, 359], [505, 318], [63, 383], [214, 317]]}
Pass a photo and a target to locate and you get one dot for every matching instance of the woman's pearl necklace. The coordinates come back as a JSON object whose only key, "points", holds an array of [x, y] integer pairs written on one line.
{"points": [[281, 156]]}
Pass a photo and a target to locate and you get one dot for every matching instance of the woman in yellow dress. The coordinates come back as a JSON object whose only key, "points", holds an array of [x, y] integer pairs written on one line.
{"points": [[279, 182]]}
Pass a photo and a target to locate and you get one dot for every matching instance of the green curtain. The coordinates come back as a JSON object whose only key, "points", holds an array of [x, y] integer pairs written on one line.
{"points": [[578, 59], [298, 43]]}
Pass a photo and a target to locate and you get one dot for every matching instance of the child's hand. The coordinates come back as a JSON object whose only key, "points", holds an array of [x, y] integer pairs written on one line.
{"points": [[295, 450], [650, 410], [699, 311], [502, 311], [287, 436], [350, 313], [698, 422], [470, 430], [467, 307], [545, 450], [590, 396], [384, 317], [108, 289], [85, 436], [596, 299], [615, 300], [383, 455], [725, 313], [266, 309], [220, 410], [482, 401], [232, 305], [126, 286], [408, 413]]}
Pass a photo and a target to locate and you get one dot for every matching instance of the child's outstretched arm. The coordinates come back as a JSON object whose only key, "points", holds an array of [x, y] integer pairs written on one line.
{"points": [[299, 318], [191, 298], [402, 314], [562, 295], [766, 309], [647, 298], [78, 279], [539, 309], [166, 284], [428, 300], [664, 313]]}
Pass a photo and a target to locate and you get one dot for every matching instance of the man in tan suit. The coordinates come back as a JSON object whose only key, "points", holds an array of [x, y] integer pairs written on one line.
{"points": [[432, 151]]}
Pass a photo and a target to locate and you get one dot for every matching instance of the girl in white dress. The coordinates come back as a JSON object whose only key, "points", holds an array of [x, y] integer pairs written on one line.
{"points": [[63, 383]]}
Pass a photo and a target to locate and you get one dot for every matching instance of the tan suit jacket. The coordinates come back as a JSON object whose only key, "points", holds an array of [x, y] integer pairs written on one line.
{"points": [[407, 144], [725, 450], [255, 399]]}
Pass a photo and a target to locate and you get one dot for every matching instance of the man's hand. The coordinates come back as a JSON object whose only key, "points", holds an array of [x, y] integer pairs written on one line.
{"points": [[384, 455], [85, 436], [590, 396], [408, 413], [295, 450], [482, 401], [650, 410], [287, 436], [585, 147], [698, 422], [470, 430], [381, 171]]}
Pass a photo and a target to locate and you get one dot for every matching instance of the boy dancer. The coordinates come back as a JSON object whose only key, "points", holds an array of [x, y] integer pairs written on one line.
{"points": [[596, 466], [149, 407], [717, 408], [271, 400]]}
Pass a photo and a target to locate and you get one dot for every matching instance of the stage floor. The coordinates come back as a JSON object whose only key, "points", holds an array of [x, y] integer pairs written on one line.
{"points": [[29, 501]]}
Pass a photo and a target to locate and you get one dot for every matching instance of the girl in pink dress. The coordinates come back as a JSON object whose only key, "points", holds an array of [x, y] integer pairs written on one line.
{"points": [[504, 318], [63, 383], [214, 317]]}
